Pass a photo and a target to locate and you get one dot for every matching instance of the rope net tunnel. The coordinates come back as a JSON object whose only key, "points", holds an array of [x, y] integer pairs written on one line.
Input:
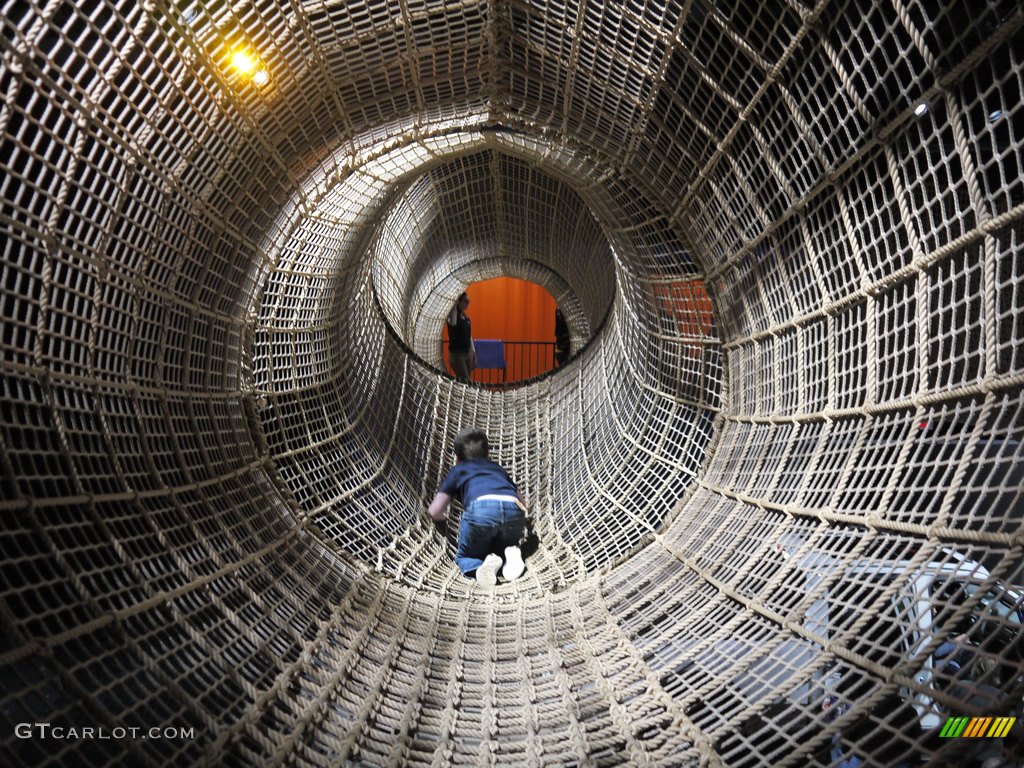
{"points": [[776, 492]]}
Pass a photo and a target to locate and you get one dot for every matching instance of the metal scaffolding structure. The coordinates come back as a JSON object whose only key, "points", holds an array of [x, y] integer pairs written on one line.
{"points": [[777, 491]]}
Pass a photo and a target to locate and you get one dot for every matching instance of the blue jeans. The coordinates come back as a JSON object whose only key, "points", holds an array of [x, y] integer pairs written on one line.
{"points": [[488, 526]]}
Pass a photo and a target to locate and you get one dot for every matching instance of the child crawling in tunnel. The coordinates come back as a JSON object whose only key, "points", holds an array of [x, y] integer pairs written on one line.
{"points": [[493, 516]]}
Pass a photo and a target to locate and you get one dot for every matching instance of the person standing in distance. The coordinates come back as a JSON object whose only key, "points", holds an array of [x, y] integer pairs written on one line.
{"points": [[563, 342], [461, 352]]}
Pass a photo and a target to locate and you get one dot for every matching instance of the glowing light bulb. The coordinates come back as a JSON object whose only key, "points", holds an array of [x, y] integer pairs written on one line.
{"points": [[243, 63], [260, 78], [921, 109]]}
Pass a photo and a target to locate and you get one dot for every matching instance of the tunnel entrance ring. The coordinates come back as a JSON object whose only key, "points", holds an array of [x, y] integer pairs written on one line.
{"points": [[847, 173], [482, 216]]}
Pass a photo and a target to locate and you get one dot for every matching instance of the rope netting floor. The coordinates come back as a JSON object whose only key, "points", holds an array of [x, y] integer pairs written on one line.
{"points": [[776, 493]]}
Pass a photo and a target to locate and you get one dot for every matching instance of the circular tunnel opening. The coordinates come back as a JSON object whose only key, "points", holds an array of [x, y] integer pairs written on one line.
{"points": [[481, 216], [519, 332]]}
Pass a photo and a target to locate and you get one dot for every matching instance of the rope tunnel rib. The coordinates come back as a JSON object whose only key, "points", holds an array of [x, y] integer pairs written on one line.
{"points": [[776, 491]]}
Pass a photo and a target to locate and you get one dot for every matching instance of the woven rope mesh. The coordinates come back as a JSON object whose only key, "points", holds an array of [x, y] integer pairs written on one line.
{"points": [[777, 492]]}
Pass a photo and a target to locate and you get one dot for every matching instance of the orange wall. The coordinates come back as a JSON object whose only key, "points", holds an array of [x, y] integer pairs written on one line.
{"points": [[686, 302], [511, 310]]}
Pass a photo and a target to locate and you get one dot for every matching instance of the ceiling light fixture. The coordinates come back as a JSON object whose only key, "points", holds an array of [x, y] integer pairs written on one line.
{"points": [[248, 65], [243, 62]]}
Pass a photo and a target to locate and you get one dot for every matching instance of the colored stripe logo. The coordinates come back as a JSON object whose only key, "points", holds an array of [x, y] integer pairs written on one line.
{"points": [[977, 727]]}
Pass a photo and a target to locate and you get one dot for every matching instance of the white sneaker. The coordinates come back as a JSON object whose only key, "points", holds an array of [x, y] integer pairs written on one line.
{"points": [[514, 565], [487, 574]]}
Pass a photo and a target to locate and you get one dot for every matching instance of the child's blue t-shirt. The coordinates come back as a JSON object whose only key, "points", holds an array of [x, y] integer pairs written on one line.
{"points": [[473, 478]]}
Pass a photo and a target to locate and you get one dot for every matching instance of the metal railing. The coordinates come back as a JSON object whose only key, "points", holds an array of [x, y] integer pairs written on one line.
{"points": [[522, 360]]}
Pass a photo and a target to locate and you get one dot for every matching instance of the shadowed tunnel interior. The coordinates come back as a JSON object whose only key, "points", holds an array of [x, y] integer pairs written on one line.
{"points": [[777, 491]]}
